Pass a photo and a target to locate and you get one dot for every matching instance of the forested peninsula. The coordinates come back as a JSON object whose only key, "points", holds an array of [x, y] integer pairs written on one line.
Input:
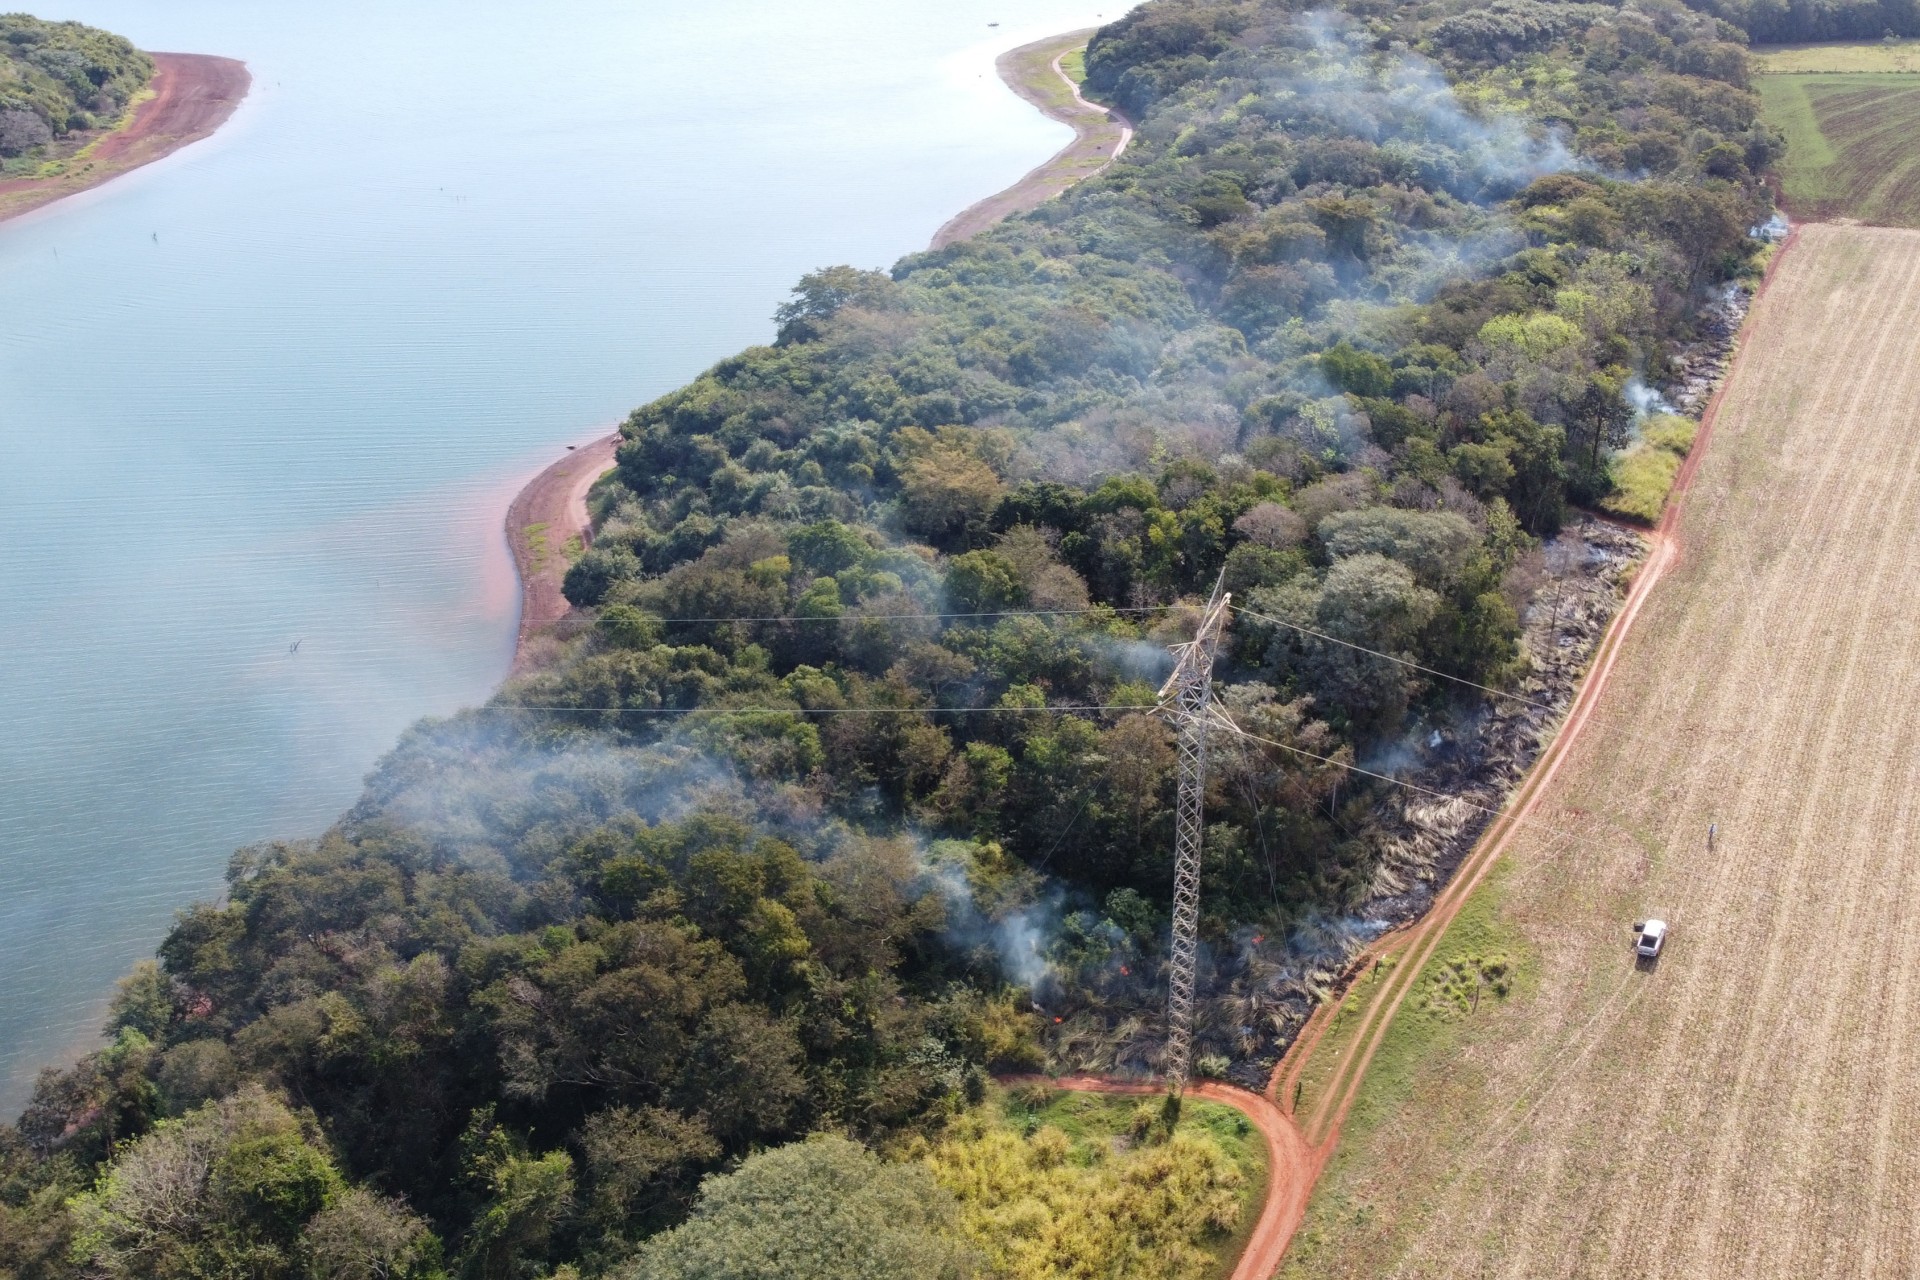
{"points": [[846, 793], [79, 106]]}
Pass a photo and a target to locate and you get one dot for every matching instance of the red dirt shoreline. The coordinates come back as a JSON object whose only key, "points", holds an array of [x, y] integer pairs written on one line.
{"points": [[556, 498], [1100, 134], [193, 95]]}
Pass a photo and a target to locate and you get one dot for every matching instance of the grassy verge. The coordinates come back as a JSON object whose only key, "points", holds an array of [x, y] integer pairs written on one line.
{"points": [[1074, 63], [1786, 106], [1322, 1069], [64, 161], [1058, 1183], [1643, 476], [1481, 964], [1033, 68], [537, 548]]}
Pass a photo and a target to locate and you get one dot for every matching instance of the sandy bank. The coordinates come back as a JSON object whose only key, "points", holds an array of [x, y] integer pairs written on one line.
{"points": [[1099, 135], [547, 526], [193, 94]]}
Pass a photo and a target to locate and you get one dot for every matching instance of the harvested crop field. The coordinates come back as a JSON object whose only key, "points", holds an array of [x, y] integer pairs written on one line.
{"points": [[1851, 144], [1746, 1106]]}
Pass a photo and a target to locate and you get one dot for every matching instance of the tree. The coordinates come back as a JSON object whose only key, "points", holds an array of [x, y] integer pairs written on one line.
{"points": [[225, 1191], [362, 1236], [946, 492], [982, 582], [1360, 373], [1434, 544], [821, 294], [143, 1001], [638, 1160], [823, 1209], [527, 1195], [1366, 600], [21, 132], [1270, 525]]}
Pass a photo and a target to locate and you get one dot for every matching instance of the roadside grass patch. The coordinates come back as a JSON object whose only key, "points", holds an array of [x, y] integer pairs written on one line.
{"points": [[1059, 1183], [1455, 991], [1337, 1041], [1850, 151], [1430, 1036], [1477, 939], [1643, 476], [1074, 63], [1033, 69]]}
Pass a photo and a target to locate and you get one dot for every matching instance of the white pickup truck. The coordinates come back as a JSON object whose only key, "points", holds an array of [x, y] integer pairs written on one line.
{"points": [[1648, 937]]}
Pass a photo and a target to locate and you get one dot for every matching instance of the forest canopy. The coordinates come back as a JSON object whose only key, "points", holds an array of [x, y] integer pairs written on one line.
{"points": [[847, 792]]}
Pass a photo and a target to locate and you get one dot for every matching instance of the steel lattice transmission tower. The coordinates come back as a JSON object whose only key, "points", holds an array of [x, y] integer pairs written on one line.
{"points": [[1187, 700]]}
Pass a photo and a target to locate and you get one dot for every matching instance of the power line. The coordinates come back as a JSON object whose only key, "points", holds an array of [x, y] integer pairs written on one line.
{"points": [[1226, 723], [1061, 613], [881, 617], [824, 711], [1321, 635]]}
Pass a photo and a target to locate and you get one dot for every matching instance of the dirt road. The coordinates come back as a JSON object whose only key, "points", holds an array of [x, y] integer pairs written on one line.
{"points": [[1746, 1108], [1099, 136], [193, 94], [547, 526]]}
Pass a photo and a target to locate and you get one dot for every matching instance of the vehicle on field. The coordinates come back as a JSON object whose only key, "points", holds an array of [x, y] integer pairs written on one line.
{"points": [[1648, 937]]}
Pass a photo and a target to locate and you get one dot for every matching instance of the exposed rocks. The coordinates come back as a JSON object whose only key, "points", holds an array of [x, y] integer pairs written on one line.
{"points": [[1697, 367], [1476, 762]]}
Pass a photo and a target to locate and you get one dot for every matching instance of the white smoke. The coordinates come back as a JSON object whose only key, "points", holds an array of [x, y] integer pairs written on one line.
{"points": [[1403, 101], [1019, 936], [1645, 400]]}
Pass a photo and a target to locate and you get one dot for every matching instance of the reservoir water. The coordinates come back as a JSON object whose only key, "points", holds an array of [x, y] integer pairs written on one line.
{"points": [[278, 388]]}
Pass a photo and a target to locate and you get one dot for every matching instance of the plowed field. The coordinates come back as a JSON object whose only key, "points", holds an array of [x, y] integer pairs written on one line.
{"points": [[1750, 1105]]}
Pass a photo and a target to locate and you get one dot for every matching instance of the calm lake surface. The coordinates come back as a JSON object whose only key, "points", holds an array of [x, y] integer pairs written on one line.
{"points": [[279, 387]]}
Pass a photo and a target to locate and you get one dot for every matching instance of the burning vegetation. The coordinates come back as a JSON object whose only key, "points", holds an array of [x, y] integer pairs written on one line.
{"points": [[847, 791]]}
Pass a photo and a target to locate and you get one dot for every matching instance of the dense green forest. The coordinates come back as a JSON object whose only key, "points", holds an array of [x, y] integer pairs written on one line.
{"points": [[847, 794], [59, 78], [1794, 21]]}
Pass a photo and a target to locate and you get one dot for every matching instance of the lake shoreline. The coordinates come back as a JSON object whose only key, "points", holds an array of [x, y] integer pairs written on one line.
{"points": [[546, 519], [193, 95], [550, 512], [1100, 135]]}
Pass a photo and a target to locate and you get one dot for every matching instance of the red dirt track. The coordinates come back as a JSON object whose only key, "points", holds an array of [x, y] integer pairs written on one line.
{"points": [[556, 498], [193, 95], [1297, 1152]]}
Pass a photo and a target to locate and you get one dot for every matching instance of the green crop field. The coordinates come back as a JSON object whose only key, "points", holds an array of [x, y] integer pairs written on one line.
{"points": [[1853, 137]]}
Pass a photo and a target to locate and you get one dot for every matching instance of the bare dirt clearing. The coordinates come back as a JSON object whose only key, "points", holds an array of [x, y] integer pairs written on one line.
{"points": [[1747, 1106]]}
